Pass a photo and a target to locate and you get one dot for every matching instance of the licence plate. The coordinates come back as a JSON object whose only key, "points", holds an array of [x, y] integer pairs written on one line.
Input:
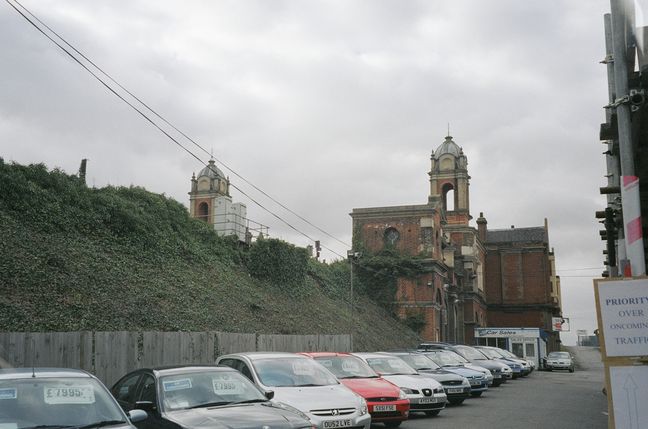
{"points": [[428, 400], [497, 376], [337, 423], [456, 390], [384, 408]]}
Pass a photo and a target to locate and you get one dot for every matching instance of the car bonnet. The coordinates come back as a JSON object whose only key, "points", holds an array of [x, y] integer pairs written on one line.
{"points": [[310, 398]]}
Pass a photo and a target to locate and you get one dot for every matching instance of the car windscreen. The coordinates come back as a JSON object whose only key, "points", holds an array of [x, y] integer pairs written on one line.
{"points": [[193, 389], [509, 354], [446, 358], [390, 366], [419, 362], [346, 366], [60, 401], [558, 355], [283, 372], [491, 353], [471, 354]]}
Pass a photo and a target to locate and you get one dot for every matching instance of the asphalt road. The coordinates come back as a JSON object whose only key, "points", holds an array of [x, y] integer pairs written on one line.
{"points": [[551, 400]]}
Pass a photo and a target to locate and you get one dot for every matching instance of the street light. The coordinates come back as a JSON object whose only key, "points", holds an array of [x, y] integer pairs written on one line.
{"points": [[352, 256]]}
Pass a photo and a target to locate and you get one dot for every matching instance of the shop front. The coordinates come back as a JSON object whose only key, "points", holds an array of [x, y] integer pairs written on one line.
{"points": [[527, 343]]}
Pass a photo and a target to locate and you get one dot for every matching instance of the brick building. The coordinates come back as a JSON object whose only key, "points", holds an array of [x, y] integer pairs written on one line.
{"points": [[463, 265]]}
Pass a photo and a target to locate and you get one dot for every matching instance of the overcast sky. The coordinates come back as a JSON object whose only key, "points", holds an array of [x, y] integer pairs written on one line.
{"points": [[329, 105]]}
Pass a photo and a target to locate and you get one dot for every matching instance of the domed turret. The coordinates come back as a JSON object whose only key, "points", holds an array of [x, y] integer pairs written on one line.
{"points": [[211, 171], [448, 146]]}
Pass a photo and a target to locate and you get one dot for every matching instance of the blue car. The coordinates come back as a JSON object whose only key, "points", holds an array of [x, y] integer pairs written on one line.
{"points": [[449, 361], [515, 364]]}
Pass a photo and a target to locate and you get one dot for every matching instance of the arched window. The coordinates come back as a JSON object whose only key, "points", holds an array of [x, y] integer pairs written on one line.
{"points": [[448, 193], [203, 211]]}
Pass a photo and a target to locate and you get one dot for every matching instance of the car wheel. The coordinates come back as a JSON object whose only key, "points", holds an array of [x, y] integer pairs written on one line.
{"points": [[392, 424], [432, 413], [476, 394], [571, 369], [456, 401]]}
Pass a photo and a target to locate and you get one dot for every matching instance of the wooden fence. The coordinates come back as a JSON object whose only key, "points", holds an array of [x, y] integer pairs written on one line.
{"points": [[109, 355]]}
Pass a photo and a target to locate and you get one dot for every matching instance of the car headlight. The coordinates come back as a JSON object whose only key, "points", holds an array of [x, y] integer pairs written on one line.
{"points": [[363, 405], [465, 382], [401, 394], [439, 390], [290, 408], [407, 390]]}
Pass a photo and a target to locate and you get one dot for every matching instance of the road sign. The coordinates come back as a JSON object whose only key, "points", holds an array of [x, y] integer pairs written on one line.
{"points": [[629, 396], [560, 324], [623, 306]]}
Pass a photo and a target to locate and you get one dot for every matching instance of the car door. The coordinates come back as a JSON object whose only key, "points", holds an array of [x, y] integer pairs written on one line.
{"points": [[125, 390], [147, 391]]}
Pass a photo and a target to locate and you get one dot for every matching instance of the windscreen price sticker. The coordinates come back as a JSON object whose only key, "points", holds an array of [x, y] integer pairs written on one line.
{"points": [[227, 387], [79, 394], [624, 317]]}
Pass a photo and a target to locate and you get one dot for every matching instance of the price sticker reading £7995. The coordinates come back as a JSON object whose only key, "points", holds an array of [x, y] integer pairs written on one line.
{"points": [[69, 394]]}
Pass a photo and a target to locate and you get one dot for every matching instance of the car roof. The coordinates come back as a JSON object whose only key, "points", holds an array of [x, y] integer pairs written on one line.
{"points": [[183, 369], [325, 354], [367, 355], [402, 352], [267, 355], [19, 373]]}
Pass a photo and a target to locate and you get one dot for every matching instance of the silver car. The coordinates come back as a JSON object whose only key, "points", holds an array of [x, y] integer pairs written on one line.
{"points": [[303, 384], [61, 398], [559, 360]]}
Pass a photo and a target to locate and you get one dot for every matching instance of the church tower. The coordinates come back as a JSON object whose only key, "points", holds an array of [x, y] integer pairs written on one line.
{"points": [[449, 182], [210, 201]]}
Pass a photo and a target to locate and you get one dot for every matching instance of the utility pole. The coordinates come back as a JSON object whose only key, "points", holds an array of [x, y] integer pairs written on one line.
{"points": [[353, 258], [622, 45]]}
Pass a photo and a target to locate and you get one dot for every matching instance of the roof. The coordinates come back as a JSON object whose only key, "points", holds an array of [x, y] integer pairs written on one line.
{"points": [[448, 146], [324, 354], [211, 171], [535, 234], [14, 373], [267, 355]]}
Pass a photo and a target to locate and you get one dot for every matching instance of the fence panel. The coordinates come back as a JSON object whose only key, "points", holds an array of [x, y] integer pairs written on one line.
{"points": [[116, 353], [287, 343], [228, 342], [334, 343]]}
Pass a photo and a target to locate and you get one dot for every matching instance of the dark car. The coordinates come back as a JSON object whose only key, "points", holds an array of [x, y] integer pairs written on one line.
{"points": [[498, 369], [457, 387], [57, 397], [213, 397]]}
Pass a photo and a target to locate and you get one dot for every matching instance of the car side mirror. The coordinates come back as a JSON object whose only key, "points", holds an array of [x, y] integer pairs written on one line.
{"points": [[269, 394], [146, 406], [137, 415]]}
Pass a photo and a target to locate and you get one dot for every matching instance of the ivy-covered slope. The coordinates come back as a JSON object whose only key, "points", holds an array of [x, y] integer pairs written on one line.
{"points": [[77, 258]]}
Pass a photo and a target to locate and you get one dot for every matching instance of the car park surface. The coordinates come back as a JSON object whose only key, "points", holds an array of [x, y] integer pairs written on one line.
{"points": [[387, 403], [425, 395], [190, 397], [304, 384], [53, 397]]}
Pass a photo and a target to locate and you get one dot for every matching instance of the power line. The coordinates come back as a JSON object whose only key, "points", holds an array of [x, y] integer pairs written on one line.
{"points": [[156, 125]]}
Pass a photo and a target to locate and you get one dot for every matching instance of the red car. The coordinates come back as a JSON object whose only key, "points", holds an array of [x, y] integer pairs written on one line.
{"points": [[387, 402]]}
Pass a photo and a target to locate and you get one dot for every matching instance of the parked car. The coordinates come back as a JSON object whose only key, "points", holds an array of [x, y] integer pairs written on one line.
{"points": [[201, 396], [531, 362], [499, 370], [479, 377], [425, 394], [304, 384], [519, 367], [457, 387], [559, 360], [387, 403], [51, 397]]}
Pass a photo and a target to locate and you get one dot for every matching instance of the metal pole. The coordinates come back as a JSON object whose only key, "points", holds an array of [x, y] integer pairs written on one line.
{"points": [[630, 183], [612, 160], [351, 309]]}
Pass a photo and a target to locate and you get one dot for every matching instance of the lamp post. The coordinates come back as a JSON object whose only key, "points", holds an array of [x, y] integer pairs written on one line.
{"points": [[353, 257]]}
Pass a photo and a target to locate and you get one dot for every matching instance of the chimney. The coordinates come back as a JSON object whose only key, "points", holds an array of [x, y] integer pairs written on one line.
{"points": [[82, 170], [481, 227]]}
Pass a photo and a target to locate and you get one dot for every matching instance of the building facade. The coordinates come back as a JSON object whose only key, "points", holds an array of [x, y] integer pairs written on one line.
{"points": [[467, 282], [210, 201]]}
